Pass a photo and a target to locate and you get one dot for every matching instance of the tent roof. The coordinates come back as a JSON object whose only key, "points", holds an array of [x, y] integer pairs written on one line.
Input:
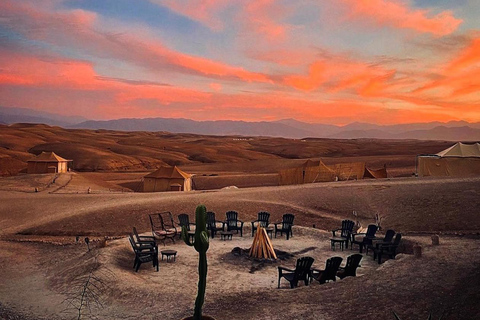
{"points": [[312, 163], [461, 150], [169, 173], [48, 157]]}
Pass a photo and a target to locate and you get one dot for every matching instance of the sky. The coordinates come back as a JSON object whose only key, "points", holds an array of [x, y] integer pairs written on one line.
{"points": [[318, 61]]}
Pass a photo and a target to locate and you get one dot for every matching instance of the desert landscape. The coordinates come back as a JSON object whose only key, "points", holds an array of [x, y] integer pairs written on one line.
{"points": [[45, 257], [112, 111]]}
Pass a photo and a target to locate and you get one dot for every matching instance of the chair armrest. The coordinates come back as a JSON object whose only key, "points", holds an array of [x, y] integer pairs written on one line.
{"points": [[353, 234], [286, 269], [146, 238], [334, 231], [317, 270]]}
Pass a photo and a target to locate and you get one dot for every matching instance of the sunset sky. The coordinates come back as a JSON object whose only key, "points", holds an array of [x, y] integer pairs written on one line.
{"points": [[325, 61]]}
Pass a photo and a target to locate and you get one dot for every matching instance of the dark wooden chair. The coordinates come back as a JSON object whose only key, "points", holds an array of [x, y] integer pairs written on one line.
{"points": [[143, 253], [285, 225], [301, 272], [184, 221], [330, 271], [387, 239], [345, 231], [233, 223], [389, 250], [143, 239], [214, 225], [163, 226], [366, 238], [350, 269], [262, 221]]}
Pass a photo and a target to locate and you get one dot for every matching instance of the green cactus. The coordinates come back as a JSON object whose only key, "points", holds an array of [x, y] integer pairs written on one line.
{"points": [[201, 246]]}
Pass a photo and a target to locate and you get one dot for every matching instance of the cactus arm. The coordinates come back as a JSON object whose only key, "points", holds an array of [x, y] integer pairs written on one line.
{"points": [[185, 236]]}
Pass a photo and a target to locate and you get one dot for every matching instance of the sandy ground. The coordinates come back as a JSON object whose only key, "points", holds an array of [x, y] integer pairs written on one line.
{"points": [[41, 262]]}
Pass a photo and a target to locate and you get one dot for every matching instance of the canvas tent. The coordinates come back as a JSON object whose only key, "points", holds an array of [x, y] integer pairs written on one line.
{"points": [[349, 171], [375, 174], [460, 160], [310, 171], [47, 162], [167, 178]]}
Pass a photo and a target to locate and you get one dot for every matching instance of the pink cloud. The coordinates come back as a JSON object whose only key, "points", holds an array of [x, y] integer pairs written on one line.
{"points": [[74, 28], [261, 16], [398, 14], [216, 86], [203, 11]]}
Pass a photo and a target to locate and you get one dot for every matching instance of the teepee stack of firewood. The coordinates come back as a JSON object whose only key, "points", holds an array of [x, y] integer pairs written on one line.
{"points": [[262, 246]]}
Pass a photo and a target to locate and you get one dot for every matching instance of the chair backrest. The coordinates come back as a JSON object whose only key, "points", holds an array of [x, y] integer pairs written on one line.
{"points": [[135, 234], [156, 221], [287, 220], [210, 219], [302, 269], [167, 218], [132, 243], [331, 268], [232, 218], [397, 240], [162, 221], [347, 227], [388, 236], [263, 217], [353, 262], [184, 220], [372, 229]]}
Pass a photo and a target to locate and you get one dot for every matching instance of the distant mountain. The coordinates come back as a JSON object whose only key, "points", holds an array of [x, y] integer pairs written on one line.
{"points": [[287, 128], [23, 115], [290, 128], [316, 129], [221, 127]]}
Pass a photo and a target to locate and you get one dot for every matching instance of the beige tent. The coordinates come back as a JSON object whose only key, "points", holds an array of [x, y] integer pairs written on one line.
{"points": [[309, 172], [167, 179], [460, 160], [47, 162], [375, 174], [349, 171]]}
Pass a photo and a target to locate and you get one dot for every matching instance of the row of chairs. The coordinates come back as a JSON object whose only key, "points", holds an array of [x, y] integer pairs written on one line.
{"points": [[164, 227], [368, 240], [304, 272]]}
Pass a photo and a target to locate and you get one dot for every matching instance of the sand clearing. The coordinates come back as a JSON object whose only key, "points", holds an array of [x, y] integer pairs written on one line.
{"points": [[40, 257]]}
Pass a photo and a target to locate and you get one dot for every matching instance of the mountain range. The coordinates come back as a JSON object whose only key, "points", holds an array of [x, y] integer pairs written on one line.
{"points": [[287, 128]]}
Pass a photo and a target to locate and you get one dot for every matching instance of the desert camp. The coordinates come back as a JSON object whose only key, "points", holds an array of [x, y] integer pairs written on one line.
{"points": [[103, 206], [239, 160]]}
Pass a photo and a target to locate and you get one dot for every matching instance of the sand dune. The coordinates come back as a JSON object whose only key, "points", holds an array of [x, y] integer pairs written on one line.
{"points": [[103, 150]]}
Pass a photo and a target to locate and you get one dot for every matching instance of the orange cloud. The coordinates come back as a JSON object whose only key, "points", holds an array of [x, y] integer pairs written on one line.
{"points": [[397, 14], [315, 78], [468, 57]]}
